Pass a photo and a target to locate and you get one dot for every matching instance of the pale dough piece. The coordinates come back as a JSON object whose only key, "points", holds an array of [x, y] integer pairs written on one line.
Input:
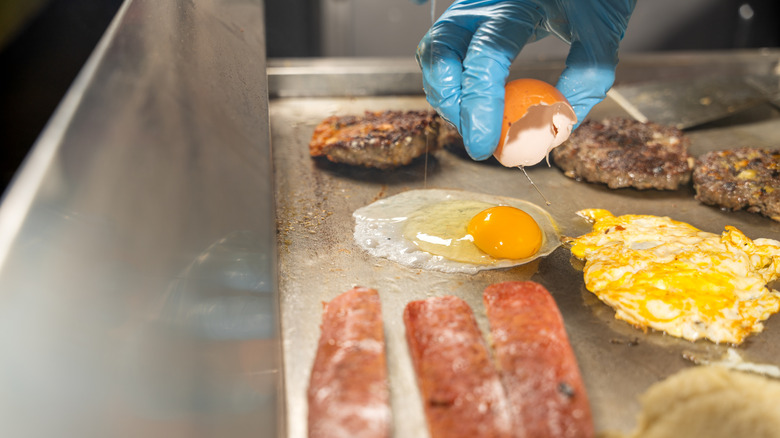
{"points": [[712, 402]]}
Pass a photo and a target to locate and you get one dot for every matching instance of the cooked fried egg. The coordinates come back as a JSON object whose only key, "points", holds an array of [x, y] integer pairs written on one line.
{"points": [[670, 276], [455, 231]]}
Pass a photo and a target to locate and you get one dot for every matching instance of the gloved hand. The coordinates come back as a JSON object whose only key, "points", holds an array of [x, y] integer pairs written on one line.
{"points": [[465, 57]]}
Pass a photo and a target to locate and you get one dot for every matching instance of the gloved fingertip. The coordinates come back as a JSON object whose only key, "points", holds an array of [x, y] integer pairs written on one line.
{"points": [[478, 155], [479, 146], [422, 48], [585, 86], [481, 129], [581, 111]]}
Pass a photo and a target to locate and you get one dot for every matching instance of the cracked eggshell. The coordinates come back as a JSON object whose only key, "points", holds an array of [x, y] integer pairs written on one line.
{"points": [[537, 118]]}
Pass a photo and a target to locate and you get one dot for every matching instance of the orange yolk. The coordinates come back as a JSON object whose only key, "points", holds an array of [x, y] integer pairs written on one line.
{"points": [[506, 232]]}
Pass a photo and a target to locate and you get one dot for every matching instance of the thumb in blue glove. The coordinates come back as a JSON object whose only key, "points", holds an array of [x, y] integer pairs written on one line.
{"points": [[465, 57]]}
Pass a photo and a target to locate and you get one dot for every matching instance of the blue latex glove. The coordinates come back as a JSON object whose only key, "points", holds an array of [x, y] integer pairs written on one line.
{"points": [[465, 57]]}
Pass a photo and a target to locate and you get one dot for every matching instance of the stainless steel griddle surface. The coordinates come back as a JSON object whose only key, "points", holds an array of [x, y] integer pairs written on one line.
{"points": [[319, 259]]}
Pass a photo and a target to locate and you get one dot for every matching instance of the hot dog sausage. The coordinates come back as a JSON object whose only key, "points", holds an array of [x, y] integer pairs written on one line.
{"points": [[460, 386], [537, 364], [348, 394]]}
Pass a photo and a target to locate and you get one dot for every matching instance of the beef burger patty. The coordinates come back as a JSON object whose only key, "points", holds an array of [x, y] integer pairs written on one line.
{"points": [[744, 178], [622, 152], [384, 139]]}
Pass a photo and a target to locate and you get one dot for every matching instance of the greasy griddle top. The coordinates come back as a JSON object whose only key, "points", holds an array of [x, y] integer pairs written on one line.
{"points": [[318, 258]]}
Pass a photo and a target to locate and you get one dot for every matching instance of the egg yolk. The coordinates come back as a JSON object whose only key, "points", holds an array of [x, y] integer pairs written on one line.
{"points": [[506, 232]]}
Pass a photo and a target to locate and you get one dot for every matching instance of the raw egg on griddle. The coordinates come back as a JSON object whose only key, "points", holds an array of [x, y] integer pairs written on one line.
{"points": [[455, 231]]}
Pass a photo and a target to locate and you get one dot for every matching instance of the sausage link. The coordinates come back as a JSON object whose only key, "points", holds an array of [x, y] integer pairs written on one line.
{"points": [[537, 364], [348, 394], [460, 386]]}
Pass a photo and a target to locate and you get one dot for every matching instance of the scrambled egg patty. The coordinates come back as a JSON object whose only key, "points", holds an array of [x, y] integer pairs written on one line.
{"points": [[670, 276]]}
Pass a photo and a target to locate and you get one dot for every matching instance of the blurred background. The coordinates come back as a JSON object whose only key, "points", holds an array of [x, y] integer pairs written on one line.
{"points": [[44, 43]]}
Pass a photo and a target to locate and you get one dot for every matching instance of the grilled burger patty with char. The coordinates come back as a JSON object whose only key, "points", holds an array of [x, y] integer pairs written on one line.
{"points": [[744, 178], [622, 152], [382, 139]]}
